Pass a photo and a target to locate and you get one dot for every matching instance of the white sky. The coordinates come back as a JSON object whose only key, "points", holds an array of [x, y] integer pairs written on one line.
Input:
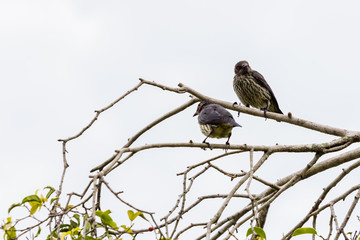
{"points": [[60, 60]]}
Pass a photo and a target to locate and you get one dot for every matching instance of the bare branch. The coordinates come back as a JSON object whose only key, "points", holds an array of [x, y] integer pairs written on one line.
{"points": [[323, 195], [279, 117], [232, 192], [346, 219], [223, 221]]}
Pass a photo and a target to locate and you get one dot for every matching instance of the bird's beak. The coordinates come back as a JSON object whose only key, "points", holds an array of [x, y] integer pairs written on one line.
{"points": [[195, 114]]}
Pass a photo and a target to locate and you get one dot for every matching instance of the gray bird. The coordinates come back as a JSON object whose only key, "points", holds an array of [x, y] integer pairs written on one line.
{"points": [[215, 121], [252, 89]]}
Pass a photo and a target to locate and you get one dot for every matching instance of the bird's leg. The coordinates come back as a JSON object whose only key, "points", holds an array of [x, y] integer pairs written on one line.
{"points": [[207, 142], [266, 109], [235, 103], [227, 143]]}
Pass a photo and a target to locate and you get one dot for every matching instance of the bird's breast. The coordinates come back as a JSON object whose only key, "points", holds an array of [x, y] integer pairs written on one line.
{"points": [[250, 92], [216, 131]]}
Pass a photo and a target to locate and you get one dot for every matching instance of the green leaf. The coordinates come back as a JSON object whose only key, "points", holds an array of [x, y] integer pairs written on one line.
{"points": [[99, 213], [105, 218], [10, 233], [34, 207], [112, 233], [14, 205], [69, 207], [64, 225], [51, 191], [258, 231], [142, 216], [38, 232], [7, 225], [77, 217], [131, 215], [52, 235], [53, 199], [73, 224], [127, 229], [64, 234], [31, 198], [301, 231], [89, 238]]}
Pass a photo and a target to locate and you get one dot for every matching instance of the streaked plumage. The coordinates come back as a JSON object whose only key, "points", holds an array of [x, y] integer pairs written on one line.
{"points": [[215, 121], [252, 89]]}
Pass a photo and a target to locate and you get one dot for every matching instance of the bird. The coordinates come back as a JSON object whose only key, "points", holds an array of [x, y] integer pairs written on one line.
{"points": [[252, 89], [215, 121]]}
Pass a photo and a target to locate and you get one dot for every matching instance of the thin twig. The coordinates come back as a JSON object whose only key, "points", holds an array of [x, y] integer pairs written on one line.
{"points": [[348, 214]]}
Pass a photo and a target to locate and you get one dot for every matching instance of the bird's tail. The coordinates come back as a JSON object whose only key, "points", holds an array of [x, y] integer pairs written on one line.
{"points": [[274, 107]]}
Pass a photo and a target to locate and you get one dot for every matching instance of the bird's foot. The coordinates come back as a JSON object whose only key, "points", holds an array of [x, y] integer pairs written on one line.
{"points": [[208, 144], [265, 110], [234, 104], [227, 146]]}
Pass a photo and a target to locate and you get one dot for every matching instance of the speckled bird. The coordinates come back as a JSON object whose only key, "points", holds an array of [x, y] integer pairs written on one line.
{"points": [[215, 121], [252, 89]]}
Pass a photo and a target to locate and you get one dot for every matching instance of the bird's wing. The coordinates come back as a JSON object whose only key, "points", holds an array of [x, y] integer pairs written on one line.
{"points": [[262, 82], [216, 115], [212, 115]]}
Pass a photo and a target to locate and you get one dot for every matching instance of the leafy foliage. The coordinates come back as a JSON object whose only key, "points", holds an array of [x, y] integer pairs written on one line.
{"points": [[75, 225], [301, 231], [258, 232]]}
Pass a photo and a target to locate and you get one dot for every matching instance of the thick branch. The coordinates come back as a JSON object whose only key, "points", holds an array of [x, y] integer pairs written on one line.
{"points": [[279, 117]]}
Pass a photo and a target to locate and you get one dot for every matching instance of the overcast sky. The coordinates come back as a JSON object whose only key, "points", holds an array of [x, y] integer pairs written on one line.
{"points": [[61, 60]]}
